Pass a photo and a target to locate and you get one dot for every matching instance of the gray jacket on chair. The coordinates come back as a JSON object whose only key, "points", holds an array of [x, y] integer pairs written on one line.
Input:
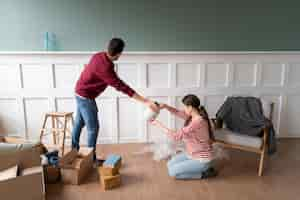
{"points": [[244, 115]]}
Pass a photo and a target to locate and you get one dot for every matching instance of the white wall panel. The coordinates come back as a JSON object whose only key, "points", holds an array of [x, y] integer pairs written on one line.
{"points": [[9, 76], [35, 109], [271, 74], [293, 75], [158, 76], [107, 120], [213, 103], [292, 114], [66, 104], [187, 75], [244, 74], [46, 81], [128, 119], [216, 74], [10, 121], [128, 73], [66, 75], [37, 76]]}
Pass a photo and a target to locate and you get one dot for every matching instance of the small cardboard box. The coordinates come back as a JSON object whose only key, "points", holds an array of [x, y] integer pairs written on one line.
{"points": [[108, 171], [29, 184], [110, 182], [75, 166]]}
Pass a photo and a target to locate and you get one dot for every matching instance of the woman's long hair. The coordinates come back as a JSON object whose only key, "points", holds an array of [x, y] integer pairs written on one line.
{"points": [[194, 101]]}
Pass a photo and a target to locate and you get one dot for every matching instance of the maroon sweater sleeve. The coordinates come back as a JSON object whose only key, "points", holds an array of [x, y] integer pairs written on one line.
{"points": [[109, 76]]}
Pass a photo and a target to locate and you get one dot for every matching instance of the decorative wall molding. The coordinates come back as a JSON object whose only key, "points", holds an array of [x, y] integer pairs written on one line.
{"points": [[32, 83]]}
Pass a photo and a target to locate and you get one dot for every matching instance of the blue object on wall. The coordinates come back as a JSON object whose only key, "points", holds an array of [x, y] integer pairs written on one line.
{"points": [[50, 41]]}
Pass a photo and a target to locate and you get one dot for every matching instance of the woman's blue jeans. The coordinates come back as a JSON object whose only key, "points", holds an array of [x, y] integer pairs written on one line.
{"points": [[182, 167]]}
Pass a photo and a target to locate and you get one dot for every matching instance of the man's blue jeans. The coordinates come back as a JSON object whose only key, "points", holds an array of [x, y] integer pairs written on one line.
{"points": [[87, 115]]}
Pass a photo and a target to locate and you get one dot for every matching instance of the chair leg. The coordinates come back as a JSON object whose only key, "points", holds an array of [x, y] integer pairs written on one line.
{"points": [[262, 156], [261, 163]]}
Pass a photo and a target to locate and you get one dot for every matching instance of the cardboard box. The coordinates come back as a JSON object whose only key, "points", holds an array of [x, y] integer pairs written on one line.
{"points": [[109, 171], [110, 182], [52, 174], [29, 184], [112, 161], [75, 166], [18, 140]]}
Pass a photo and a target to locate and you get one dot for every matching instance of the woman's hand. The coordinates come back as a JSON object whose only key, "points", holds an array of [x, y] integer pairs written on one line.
{"points": [[160, 125], [154, 122]]}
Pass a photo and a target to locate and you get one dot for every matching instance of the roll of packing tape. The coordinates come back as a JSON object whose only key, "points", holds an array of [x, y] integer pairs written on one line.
{"points": [[149, 114]]}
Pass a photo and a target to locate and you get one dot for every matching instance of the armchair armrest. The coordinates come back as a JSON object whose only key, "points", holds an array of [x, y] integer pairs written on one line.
{"points": [[217, 123]]}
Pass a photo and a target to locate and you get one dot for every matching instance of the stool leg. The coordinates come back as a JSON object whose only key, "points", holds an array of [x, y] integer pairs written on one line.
{"points": [[54, 130], [69, 128], [64, 135], [72, 120], [58, 130], [43, 127]]}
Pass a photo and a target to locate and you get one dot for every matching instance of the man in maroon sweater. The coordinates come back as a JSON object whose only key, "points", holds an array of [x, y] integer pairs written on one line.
{"points": [[94, 79]]}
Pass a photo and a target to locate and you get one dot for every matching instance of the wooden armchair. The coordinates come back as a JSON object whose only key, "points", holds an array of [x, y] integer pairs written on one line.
{"points": [[243, 142]]}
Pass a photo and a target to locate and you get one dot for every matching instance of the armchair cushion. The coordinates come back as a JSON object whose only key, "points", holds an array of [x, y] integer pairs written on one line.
{"points": [[228, 136]]}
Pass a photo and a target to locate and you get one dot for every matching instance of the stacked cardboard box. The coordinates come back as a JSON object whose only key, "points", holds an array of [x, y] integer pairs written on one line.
{"points": [[29, 183], [109, 172]]}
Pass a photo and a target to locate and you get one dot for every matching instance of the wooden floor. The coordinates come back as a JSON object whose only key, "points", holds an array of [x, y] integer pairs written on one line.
{"points": [[145, 179]]}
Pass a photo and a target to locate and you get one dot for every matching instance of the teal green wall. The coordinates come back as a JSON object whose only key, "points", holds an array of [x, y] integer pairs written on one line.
{"points": [[152, 25]]}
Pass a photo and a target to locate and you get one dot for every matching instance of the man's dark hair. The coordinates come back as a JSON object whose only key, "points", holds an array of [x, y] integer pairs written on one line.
{"points": [[115, 46]]}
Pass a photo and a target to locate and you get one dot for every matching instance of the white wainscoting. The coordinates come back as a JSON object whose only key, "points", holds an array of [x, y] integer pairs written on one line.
{"points": [[33, 83]]}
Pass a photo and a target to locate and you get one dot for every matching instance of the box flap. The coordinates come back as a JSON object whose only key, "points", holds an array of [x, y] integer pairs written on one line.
{"points": [[68, 158], [15, 140], [85, 151], [77, 163], [24, 159], [30, 187], [31, 170]]}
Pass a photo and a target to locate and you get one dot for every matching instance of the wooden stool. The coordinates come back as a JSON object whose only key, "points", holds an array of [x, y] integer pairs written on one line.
{"points": [[55, 130]]}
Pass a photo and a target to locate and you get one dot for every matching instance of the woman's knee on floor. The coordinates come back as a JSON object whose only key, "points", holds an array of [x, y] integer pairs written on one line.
{"points": [[176, 159], [171, 171], [177, 168]]}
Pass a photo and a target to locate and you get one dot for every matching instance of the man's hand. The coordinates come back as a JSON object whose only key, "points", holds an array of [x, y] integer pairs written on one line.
{"points": [[162, 106], [153, 106]]}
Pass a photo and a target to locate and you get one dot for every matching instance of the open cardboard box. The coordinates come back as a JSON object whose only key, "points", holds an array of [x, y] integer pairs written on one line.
{"points": [[29, 184], [75, 165], [20, 141]]}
